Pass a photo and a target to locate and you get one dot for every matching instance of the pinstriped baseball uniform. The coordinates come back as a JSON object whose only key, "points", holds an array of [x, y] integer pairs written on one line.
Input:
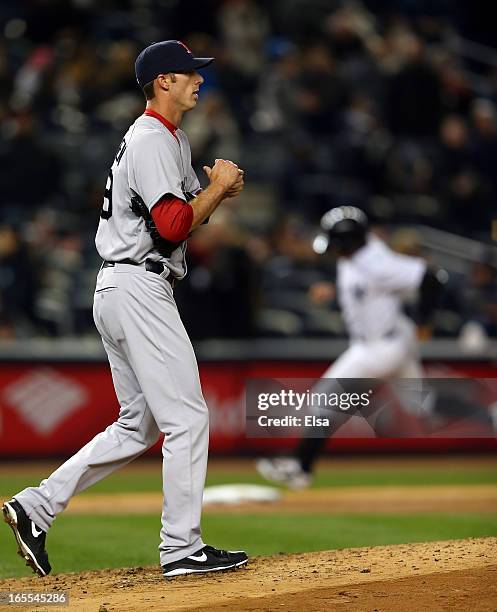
{"points": [[372, 282], [153, 365], [371, 285]]}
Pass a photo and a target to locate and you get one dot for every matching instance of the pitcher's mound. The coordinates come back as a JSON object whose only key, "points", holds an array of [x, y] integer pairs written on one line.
{"points": [[456, 575]]}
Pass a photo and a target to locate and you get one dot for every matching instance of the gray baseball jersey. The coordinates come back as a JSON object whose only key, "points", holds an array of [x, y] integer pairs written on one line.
{"points": [[152, 162], [153, 365]]}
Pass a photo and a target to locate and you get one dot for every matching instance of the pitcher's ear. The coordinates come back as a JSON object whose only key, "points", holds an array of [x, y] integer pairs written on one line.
{"points": [[164, 81]]}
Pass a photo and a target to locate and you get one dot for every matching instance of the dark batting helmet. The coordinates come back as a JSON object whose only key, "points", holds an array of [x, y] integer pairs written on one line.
{"points": [[343, 229]]}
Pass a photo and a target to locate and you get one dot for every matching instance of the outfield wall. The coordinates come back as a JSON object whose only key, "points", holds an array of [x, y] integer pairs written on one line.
{"points": [[54, 401]]}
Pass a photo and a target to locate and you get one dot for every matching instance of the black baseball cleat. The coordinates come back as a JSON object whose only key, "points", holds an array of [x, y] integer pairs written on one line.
{"points": [[207, 559], [30, 539]]}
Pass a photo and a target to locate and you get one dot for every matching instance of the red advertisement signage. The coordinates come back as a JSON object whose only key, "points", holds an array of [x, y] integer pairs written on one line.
{"points": [[54, 409]]}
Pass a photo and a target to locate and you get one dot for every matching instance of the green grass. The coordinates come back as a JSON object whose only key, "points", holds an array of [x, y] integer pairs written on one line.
{"points": [[150, 480], [91, 542], [79, 542]]}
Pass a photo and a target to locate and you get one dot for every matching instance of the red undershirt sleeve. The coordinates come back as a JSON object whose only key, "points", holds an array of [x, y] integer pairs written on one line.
{"points": [[173, 218]]}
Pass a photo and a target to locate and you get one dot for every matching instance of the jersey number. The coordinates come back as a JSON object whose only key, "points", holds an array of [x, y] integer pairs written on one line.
{"points": [[106, 212]]}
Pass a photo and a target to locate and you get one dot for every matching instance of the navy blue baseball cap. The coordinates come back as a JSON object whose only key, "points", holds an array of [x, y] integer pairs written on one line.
{"points": [[166, 56]]}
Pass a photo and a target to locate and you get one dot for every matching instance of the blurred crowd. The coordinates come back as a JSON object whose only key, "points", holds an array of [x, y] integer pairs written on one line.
{"points": [[322, 102]]}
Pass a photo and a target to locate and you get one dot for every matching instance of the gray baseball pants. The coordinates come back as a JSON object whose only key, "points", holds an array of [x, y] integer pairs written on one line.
{"points": [[156, 380]]}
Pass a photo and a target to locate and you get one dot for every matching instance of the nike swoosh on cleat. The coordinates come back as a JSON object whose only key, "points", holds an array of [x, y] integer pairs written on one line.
{"points": [[24, 551], [34, 530], [201, 558]]}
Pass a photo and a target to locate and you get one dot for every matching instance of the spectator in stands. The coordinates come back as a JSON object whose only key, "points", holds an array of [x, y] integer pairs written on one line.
{"points": [[217, 298], [321, 91], [334, 103], [455, 155], [275, 109], [484, 139], [30, 175], [481, 296], [17, 284], [414, 104], [243, 26]]}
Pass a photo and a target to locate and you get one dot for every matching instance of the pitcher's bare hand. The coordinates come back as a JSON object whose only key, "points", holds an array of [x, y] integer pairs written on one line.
{"points": [[224, 173]]}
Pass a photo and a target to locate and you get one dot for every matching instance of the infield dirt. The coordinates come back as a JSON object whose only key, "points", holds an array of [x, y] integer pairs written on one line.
{"points": [[455, 575], [458, 575], [443, 498]]}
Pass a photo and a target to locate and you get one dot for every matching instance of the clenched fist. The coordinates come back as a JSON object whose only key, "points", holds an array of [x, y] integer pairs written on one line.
{"points": [[227, 174]]}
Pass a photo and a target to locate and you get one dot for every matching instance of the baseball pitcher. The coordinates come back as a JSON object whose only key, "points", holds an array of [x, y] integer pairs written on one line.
{"points": [[152, 203]]}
